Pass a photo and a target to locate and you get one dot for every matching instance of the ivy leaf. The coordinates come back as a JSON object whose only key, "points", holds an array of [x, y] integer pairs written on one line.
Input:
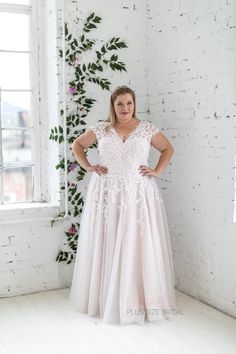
{"points": [[90, 17], [66, 29], [98, 54], [97, 19], [91, 25]]}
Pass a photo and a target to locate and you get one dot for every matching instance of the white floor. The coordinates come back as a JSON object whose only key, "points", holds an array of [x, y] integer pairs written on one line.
{"points": [[42, 323]]}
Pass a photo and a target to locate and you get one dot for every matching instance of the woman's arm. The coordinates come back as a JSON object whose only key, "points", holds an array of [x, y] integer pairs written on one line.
{"points": [[81, 143], [162, 144]]}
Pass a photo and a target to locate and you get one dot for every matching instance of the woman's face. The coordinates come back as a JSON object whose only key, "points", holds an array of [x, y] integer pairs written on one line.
{"points": [[124, 106]]}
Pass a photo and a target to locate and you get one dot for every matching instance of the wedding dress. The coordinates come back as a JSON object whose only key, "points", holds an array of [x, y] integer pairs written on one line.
{"points": [[123, 269]]}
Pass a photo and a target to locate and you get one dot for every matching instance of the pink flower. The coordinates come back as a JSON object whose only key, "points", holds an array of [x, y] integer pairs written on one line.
{"points": [[76, 60], [72, 230], [73, 89], [72, 166]]}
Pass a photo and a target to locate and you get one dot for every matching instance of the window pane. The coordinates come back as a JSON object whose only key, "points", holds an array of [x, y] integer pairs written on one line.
{"points": [[16, 145], [14, 71], [18, 2], [14, 37], [17, 184], [15, 107]]}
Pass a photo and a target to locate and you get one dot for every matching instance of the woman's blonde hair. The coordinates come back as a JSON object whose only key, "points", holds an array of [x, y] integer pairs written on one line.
{"points": [[119, 90]]}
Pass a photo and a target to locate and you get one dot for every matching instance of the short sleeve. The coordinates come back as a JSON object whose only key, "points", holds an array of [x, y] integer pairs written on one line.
{"points": [[151, 130], [98, 129]]}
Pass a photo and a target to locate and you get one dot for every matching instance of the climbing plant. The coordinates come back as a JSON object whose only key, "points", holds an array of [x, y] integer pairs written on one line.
{"points": [[77, 112]]}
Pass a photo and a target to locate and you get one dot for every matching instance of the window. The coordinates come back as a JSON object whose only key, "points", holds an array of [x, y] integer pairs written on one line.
{"points": [[18, 171]]}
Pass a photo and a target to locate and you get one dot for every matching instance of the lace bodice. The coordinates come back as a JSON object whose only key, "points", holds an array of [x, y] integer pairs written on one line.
{"points": [[123, 179], [124, 158]]}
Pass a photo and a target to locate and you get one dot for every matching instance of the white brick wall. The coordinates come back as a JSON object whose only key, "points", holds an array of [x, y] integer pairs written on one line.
{"points": [[192, 82], [181, 63]]}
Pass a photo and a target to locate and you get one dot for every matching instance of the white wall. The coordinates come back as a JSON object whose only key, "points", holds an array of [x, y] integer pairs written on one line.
{"points": [[181, 63], [192, 85]]}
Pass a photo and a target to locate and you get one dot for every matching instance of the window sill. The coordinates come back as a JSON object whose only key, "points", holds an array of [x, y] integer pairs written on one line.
{"points": [[28, 212]]}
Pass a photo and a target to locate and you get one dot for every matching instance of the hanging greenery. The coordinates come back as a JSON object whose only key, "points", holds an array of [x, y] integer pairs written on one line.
{"points": [[76, 114]]}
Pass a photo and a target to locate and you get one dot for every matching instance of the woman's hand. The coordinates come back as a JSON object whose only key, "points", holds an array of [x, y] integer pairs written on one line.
{"points": [[147, 171], [98, 169]]}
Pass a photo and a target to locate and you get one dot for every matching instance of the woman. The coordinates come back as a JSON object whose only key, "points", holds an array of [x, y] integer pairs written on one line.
{"points": [[123, 268]]}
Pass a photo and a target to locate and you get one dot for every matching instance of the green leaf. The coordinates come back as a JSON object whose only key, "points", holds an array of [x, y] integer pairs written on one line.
{"points": [[90, 17], [97, 19], [91, 25], [114, 57], [66, 29], [112, 47], [79, 71], [98, 54]]}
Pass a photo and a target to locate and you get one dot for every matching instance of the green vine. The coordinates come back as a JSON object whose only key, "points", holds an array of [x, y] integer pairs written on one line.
{"points": [[76, 118]]}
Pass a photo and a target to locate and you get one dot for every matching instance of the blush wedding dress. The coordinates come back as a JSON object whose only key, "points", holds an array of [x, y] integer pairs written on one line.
{"points": [[123, 269]]}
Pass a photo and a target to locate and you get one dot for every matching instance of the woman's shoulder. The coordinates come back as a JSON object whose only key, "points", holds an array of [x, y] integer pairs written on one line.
{"points": [[98, 124], [149, 127], [98, 127]]}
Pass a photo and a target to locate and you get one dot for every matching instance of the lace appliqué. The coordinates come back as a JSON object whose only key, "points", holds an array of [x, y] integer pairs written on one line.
{"points": [[98, 129], [127, 189]]}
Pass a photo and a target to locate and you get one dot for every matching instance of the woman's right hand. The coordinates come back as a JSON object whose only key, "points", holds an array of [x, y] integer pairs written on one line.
{"points": [[98, 169]]}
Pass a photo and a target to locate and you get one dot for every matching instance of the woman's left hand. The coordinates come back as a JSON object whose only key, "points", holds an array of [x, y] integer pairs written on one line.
{"points": [[147, 171]]}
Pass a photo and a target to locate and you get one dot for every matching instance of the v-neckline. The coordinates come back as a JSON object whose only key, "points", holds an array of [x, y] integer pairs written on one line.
{"points": [[133, 131]]}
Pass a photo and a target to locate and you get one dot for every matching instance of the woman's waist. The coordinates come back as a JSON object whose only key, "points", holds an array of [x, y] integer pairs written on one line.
{"points": [[123, 166], [126, 177]]}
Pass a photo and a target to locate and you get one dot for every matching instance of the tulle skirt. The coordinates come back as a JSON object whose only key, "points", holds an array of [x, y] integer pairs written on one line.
{"points": [[123, 269]]}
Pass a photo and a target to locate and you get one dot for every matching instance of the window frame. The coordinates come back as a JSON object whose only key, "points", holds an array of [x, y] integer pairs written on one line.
{"points": [[38, 187]]}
